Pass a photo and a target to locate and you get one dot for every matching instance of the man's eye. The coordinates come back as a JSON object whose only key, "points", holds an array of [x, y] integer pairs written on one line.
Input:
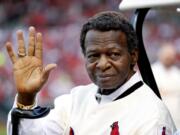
{"points": [[115, 55], [92, 57]]}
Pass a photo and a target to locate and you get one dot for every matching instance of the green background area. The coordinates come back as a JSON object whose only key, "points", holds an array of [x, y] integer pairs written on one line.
{"points": [[2, 130]]}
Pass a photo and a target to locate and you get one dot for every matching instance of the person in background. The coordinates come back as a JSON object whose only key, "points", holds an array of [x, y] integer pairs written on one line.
{"points": [[116, 102], [167, 76]]}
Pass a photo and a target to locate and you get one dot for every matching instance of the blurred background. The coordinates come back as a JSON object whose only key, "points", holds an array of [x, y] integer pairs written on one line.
{"points": [[60, 22]]}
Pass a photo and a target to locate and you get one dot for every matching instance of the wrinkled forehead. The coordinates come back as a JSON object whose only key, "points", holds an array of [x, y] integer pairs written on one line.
{"points": [[106, 36]]}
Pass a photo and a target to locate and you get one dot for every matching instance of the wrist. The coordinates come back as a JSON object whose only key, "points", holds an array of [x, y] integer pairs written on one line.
{"points": [[26, 99]]}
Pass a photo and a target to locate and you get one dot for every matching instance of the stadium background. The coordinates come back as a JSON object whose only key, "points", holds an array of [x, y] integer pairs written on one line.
{"points": [[60, 22]]}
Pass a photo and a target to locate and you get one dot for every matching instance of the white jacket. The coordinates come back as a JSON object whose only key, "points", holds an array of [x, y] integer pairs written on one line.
{"points": [[139, 113]]}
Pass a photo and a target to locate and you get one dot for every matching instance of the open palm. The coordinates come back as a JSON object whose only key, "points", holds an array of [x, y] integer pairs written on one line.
{"points": [[27, 73], [28, 70]]}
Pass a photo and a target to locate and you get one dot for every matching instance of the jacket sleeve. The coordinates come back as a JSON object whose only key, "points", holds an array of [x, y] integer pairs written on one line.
{"points": [[55, 123]]}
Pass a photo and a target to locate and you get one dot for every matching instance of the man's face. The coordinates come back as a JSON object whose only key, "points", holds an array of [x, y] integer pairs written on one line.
{"points": [[108, 61]]}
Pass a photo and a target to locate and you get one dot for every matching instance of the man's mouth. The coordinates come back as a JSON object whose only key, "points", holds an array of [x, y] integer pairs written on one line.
{"points": [[104, 77]]}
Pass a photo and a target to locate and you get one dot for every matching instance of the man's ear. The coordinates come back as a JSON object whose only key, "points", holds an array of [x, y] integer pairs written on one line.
{"points": [[134, 56]]}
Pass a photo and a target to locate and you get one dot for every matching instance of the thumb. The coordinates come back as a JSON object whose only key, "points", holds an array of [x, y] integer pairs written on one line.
{"points": [[46, 71]]}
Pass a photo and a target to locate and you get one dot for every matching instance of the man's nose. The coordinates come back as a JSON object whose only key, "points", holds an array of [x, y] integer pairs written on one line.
{"points": [[103, 63]]}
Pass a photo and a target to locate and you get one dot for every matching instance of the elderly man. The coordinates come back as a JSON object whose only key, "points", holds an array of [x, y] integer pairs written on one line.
{"points": [[116, 102]]}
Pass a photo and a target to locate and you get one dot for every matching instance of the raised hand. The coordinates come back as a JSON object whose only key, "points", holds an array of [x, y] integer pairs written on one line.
{"points": [[29, 74]]}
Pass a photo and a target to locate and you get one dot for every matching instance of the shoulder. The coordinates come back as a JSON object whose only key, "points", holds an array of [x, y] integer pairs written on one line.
{"points": [[154, 104], [150, 98], [77, 92], [83, 90], [151, 108], [74, 99]]}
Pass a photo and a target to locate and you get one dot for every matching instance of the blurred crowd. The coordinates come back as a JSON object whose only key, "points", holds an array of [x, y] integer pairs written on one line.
{"points": [[161, 26], [60, 22]]}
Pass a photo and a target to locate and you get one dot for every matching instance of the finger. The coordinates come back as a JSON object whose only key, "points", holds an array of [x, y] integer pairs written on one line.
{"points": [[47, 70], [10, 52], [31, 41], [38, 47], [21, 44]]}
